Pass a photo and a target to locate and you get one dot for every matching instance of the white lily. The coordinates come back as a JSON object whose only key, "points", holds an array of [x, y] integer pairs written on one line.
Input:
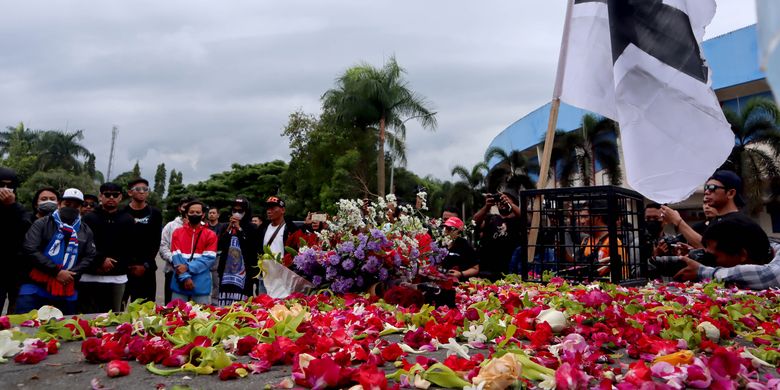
{"points": [[475, 334], [548, 383], [755, 360], [556, 319], [421, 383], [454, 348], [8, 346], [199, 313], [359, 309], [711, 331]]}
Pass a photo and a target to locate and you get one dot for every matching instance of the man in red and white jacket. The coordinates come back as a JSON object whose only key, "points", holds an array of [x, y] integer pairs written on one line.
{"points": [[193, 252]]}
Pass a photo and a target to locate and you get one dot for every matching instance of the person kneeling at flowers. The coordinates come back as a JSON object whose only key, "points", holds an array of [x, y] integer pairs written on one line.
{"points": [[194, 250], [742, 253], [461, 261]]}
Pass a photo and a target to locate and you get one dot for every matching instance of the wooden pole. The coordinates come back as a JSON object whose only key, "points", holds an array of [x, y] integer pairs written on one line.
{"points": [[549, 137]]}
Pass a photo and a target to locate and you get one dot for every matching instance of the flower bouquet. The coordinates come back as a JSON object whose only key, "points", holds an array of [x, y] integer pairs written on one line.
{"points": [[369, 243]]}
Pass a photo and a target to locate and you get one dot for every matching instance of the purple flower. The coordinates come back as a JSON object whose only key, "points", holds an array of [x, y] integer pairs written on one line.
{"points": [[330, 273], [360, 254], [414, 253], [376, 233], [346, 247], [334, 259], [341, 285], [372, 265], [348, 264], [316, 280], [383, 274], [359, 281]]}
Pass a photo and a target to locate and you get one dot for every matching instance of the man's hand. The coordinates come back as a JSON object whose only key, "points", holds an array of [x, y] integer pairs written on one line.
{"points": [[454, 274], [683, 249], [65, 277], [181, 268], [7, 196], [137, 270], [690, 272], [188, 285], [661, 249], [107, 266], [671, 216]]}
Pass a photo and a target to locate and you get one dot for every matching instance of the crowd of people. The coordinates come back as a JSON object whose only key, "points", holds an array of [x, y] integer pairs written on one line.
{"points": [[89, 254]]}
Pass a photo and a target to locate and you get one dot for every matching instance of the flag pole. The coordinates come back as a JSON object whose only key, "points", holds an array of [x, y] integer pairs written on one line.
{"points": [[550, 136]]}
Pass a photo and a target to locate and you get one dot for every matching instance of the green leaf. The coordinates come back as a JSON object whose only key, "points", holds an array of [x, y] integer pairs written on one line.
{"points": [[443, 376], [510, 331], [163, 372]]}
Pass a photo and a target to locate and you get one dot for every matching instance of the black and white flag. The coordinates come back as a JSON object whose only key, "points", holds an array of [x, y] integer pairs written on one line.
{"points": [[640, 63]]}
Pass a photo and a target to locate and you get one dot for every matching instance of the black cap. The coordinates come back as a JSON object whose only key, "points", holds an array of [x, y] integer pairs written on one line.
{"points": [[110, 187], [731, 181], [274, 201], [137, 180], [90, 197], [10, 175]]}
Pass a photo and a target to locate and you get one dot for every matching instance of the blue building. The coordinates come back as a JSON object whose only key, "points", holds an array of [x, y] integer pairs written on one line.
{"points": [[736, 78]]}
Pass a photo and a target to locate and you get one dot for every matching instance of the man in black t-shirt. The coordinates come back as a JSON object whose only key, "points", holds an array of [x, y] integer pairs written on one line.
{"points": [[500, 234], [144, 243]]}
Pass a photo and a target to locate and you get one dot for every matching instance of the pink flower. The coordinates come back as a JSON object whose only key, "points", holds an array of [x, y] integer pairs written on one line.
{"points": [[233, 371], [370, 378], [33, 351], [245, 345], [595, 298], [569, 377], [117, 368], [5, 323], [417, 338]]}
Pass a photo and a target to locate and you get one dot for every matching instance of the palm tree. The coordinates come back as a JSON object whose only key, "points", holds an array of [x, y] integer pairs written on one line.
{"points": [[471, 182], [16, 139], [757, 148], [367, 97], [513, 170], [575, 153], [57, 149]]}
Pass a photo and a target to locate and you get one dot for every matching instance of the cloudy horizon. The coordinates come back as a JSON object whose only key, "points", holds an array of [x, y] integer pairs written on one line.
{"points": [[201, 85]]}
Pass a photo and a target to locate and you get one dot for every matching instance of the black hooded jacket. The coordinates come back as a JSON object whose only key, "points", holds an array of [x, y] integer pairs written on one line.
{"points": [[249, 240], [15, 223], [112, 232]]}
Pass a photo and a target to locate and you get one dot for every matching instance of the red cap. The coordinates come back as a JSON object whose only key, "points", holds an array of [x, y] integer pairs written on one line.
{"points": [[454, 222]]}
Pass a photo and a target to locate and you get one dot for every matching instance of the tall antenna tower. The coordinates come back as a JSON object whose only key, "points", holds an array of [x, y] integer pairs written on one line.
{"points": [[114, 133]]}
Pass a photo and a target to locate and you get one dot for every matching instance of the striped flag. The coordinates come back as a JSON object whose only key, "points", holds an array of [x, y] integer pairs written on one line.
{"points": [[640, 63]]}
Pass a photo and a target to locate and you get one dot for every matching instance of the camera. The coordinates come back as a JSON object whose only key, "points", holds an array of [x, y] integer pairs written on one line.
{"points": [[702, 257], [667, 266], [672, 240], [496, 197]]}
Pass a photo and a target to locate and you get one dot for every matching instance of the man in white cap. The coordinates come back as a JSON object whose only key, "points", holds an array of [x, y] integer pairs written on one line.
{"points": [[58, 249]]}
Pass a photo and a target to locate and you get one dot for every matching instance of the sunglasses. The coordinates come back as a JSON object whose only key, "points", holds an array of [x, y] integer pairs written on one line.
{"points": [[712, 187], [6, 185], [140, 189], [112, 194], [89, 204]]}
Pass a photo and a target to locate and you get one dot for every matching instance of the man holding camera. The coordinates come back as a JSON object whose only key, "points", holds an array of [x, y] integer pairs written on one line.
{"points": [[500, 234], [738, 248]]}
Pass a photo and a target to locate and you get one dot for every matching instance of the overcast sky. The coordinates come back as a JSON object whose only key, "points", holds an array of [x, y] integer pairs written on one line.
{"points": [[200, 85]]}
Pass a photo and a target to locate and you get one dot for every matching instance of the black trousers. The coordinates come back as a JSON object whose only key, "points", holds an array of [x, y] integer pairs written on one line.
{"points": [[99, 297], [143, 287]]}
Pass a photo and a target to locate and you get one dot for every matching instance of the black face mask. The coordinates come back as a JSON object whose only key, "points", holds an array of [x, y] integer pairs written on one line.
{"points": [[194, 219], [46, 208], [68, 214], [505, 211], [654, 228]]}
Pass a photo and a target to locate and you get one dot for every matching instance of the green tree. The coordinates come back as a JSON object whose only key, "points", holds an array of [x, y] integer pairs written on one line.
{"points": [[471, 185], [136, 170], [370, 98], [17, 150], [513, 171], [757, 149], [60, 179], [58, 149], [576, 153], [159, 180]]}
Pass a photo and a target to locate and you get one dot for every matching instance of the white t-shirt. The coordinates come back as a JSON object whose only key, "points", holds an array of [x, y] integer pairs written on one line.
{"points": [[115, 279], [277, 247]]}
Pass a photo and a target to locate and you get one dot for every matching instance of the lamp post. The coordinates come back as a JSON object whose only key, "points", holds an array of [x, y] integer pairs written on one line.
{"points": [[392, 161]]}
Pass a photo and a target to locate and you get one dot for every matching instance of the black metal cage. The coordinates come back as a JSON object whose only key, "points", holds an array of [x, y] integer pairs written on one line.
{"points": [[584, 234]]}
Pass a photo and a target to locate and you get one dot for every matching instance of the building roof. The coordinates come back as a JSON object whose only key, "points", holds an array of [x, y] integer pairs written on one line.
{"points": [[733, 58]]}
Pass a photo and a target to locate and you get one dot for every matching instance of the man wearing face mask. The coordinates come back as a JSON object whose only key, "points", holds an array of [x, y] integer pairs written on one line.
{"points": [[15, 223], [146, 235], [500, 234], [238, 248], [45, 200], [165, 244], [194, 249], [58, 249]]}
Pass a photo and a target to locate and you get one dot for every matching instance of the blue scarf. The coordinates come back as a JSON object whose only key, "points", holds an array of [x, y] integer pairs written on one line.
{"points": [[64, 254]]}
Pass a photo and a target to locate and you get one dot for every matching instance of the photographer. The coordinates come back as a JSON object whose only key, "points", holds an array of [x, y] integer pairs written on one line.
{"points": [[661, 243], [500, 234], [742, 254], [461, 262]]}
